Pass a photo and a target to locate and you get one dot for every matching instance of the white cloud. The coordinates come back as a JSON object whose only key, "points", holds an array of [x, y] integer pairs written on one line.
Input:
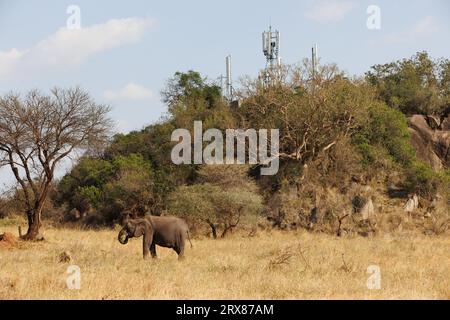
{"points": [[131, 91], [426, 27], [327, 11], [68, 48], [8, 60]]}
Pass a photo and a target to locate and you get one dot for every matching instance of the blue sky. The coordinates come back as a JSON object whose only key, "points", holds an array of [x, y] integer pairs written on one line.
{"points": [[126, 50]]}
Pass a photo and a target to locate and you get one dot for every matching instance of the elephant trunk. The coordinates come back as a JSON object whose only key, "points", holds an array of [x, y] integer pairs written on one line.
{"points": [[123, 236]]}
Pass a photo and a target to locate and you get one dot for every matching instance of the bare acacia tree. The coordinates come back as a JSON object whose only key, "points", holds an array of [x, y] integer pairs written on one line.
{"points": [[38, 131]]}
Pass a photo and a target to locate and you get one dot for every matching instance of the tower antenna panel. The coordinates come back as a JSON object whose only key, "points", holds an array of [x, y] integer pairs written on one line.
{"points": [[271, 49]]}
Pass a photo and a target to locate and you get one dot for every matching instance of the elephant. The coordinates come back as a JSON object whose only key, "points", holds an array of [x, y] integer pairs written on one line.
{"points": [[169, 232]]}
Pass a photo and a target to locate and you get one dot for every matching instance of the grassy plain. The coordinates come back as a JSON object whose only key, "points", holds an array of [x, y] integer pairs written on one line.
{"points": [[275, 265]]}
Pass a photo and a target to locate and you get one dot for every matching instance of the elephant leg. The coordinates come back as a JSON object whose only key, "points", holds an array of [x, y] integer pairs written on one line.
{"points": [[180, 251], [153, 250]]}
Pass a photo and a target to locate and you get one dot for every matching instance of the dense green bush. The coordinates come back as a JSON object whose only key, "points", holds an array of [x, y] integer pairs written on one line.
{"points": [[107, 189], [422, 179], [385, 128], [415, 85]]}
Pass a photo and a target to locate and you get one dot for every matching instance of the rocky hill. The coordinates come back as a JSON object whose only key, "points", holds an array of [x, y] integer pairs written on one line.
{"points": [[430, 137]]}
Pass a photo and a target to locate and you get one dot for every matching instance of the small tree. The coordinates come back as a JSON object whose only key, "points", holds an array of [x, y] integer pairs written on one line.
{"points": [[38, 131], [225, 198]]}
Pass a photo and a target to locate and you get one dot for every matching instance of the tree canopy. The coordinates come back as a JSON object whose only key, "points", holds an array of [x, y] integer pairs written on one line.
{"points": [[416, 85], [38, 131]]}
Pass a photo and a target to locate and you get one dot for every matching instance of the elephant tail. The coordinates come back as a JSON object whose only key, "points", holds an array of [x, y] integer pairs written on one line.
{"points": [[189, 237]]}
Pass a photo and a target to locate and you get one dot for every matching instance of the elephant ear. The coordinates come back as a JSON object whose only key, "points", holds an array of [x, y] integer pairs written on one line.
{"points": [[141, 228]]}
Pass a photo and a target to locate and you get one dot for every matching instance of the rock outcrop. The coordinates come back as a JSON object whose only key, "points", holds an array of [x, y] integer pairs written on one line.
{"points": [[363, 206], [430, 137], [412, 204]]}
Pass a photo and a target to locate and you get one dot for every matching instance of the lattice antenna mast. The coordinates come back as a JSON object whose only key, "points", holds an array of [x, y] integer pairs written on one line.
{"points": [[271, 47], [271, 50]]}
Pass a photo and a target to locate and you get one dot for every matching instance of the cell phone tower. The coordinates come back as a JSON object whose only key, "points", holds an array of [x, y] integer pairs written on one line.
{"points": [[226, 82], [314, 60], [229, 81], [271, 47], [271, 50]]}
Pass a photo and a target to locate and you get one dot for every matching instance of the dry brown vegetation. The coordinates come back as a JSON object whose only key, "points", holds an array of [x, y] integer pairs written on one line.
{"points": [[268, 265]]}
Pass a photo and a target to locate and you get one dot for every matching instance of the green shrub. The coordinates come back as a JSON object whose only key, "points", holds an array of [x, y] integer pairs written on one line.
{"points": [[422, 179], [386, 128]]}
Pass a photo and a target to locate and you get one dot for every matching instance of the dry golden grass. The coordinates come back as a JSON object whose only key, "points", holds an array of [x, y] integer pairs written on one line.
{"points": [[294, 265]]}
